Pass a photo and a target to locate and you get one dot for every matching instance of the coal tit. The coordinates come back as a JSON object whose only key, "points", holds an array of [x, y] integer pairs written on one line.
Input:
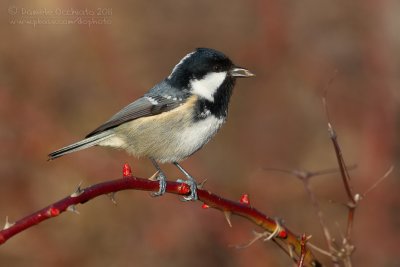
{"points": [[175, 118]]}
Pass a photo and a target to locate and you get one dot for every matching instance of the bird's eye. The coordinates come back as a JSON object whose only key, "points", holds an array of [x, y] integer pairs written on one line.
{"points": [[217, 68]]}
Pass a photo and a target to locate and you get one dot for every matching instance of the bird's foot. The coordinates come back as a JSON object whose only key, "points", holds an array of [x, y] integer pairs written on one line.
{"points": [[191, 182], [162, 181]]}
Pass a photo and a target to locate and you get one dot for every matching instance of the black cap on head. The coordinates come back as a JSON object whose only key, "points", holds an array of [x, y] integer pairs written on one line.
{"points": [[197, 64]]}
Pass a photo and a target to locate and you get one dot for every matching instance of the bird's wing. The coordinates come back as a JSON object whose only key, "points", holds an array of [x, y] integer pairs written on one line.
{"points": [[148, 105]]}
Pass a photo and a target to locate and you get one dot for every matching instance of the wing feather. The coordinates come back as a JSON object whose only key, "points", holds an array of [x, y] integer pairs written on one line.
{"points": [[142, 107]]}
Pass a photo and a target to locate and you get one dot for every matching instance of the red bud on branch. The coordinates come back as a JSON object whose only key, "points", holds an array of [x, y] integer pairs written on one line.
{"points": [[244, 199], [126, 171]]}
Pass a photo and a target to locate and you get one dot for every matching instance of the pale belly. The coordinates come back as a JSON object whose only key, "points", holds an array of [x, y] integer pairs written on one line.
{"points": [[173, 137]]}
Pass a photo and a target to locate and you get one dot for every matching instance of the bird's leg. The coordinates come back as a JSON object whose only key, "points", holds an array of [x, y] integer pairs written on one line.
{"points": [[190, 181], [161, 180]]}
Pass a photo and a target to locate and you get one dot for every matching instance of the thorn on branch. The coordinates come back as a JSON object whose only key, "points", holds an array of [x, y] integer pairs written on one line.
{"points": [[266, 236], [112, 197], [7, 224], [154, 176], [78, 191], [72, 208], [201, 184], [291, 252], [228, 216]]}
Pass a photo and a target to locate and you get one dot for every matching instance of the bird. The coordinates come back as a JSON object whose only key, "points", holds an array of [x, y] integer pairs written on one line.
{"points": [[175, 118]]}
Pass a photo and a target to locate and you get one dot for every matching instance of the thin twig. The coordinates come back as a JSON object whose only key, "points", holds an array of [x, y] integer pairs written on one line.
{"points": [[347, 246], [342, 166], [305, 176], [318, 249], [310, 174], [383, 177]]}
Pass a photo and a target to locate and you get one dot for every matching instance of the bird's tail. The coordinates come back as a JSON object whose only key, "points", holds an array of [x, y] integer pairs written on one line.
{"points": [[85, 143]]}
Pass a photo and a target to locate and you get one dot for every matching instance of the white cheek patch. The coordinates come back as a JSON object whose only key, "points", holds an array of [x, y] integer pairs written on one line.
{"points": [[208, 85]]}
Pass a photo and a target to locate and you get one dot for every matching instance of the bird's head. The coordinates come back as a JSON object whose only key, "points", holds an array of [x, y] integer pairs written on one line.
{"points": [[205, 72]]}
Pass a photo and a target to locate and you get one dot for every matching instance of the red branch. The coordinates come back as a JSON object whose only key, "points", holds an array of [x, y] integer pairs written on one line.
{"points": [[284, 237]]}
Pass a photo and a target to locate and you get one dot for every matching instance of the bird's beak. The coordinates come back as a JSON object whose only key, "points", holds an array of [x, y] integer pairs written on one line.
{"points": [[239, 72]]}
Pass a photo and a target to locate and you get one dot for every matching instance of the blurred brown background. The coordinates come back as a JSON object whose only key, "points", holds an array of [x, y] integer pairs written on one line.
{"points": [[61, 77]]}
